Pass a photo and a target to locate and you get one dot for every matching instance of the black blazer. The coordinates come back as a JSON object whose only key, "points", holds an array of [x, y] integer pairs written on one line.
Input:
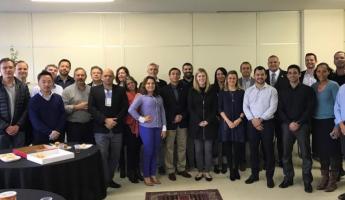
{"points": [[118, 109], [282, 81], [173, 107], [203, 108]]}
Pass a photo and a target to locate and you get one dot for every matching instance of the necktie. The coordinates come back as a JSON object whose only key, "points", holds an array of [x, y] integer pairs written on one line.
{"points": [[273, 79]]}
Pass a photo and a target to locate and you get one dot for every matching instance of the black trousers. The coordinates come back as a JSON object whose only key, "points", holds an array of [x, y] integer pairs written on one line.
{"points": [[279, 138], [80, 132], [266, 138], [130, 152], [303, 139], [233, 153]]}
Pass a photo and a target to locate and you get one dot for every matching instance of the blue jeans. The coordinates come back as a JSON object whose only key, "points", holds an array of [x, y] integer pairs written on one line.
{"points": [[110, 146], [151, 138], [8, 141]]}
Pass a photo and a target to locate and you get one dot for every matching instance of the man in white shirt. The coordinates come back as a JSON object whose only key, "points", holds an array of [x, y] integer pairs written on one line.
{"points": [[307, 76], [259, 105], [57, 89]]}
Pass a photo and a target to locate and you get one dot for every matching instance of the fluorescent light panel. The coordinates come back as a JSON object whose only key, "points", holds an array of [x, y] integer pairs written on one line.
{"points": [[73, 1]]}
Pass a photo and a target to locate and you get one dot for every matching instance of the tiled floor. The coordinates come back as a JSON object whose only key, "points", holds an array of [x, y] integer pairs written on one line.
{"points": [[237, 190]]}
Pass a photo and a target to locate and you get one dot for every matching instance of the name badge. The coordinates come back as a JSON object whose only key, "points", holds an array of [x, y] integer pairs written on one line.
{"points": [[108, 102]]}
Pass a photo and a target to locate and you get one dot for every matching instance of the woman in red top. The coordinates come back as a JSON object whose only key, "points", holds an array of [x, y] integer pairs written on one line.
{"points": [[132, 135]]}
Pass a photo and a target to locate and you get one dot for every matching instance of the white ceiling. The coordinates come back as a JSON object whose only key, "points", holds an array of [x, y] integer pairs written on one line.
{"points": [[171, 6]]}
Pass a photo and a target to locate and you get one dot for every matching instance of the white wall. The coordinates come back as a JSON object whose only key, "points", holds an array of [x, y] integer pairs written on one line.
{"points": [[208, 40], [323, 33]]}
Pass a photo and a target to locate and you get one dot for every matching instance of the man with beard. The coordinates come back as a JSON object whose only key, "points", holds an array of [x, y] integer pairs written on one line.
{"points": [[307, 76], [339, 62], [187, 82], [63, 79], [339, 77], [75, 97], [187, 70], [259, 105]]}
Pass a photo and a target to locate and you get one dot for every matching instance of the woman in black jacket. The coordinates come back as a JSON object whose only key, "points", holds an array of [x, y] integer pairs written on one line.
{"points": [[202, 101]]}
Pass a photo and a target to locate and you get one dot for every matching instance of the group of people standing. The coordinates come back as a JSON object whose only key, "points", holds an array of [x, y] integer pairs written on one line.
{"points": [[188, 118]]}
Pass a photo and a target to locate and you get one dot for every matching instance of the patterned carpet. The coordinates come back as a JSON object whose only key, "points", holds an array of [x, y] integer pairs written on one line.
{"points": [[212, 194]]}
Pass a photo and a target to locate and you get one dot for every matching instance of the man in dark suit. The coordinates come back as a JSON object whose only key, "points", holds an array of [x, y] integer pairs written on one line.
{"points": [[307, 76], [108, 106], [187, 81], [246, 80], [63, 79], [175, 105], [96, 76], [152, 70], [277, 78]]}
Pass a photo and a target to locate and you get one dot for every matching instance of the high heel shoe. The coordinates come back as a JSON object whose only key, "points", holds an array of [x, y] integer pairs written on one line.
{"points": [[154, 180], [147, 181]]}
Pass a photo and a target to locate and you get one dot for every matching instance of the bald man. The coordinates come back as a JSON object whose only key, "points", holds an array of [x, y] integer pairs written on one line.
{"points": [[108, 106]]}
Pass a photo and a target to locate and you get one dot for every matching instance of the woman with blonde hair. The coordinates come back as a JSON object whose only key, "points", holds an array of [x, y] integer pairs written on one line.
{"points": [[202, 101]]}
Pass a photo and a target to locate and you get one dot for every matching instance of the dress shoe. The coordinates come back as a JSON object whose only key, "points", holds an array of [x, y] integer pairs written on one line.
{"points": [[172, 177], [216, 169], [224, 168], [251, 179], [237, 175], [308, 188], [161, 170], [184, 174], [286, 183], [270, 183], [132, 178], [341, 197], [232, 176], [199, 176], [243, 166], [113, 184], [139, 176], [208, 177], [154, 180], [148, 182]]}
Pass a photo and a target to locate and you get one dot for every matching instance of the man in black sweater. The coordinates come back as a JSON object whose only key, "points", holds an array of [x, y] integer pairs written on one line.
{"points": [[295, 107]]}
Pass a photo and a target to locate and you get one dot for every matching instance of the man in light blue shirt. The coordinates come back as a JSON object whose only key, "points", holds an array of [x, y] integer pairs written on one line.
{"points": [[339, 112], [259, 105]]}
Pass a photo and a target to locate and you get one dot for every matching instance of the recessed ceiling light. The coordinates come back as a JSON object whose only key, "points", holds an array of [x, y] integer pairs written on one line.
{"points": [[73, 1]]}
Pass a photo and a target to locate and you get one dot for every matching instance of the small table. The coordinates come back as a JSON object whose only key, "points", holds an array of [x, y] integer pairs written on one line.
{"points": [[79, 178], [23, 194]]}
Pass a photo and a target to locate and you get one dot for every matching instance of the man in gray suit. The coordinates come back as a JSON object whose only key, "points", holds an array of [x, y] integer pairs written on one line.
{"points": [[246, 80]]}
